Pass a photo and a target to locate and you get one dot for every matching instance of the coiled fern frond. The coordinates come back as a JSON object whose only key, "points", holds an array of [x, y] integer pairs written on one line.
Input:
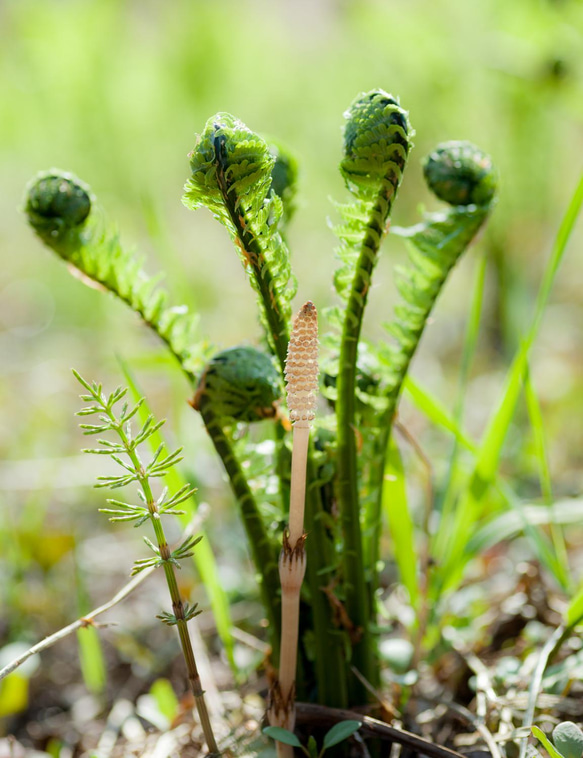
{"points": [[377, 141], [376, 147], [60, 209], [231, 175], [463, 176]]}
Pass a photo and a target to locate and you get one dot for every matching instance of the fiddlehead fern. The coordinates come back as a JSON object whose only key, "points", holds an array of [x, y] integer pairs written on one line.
{"points": [[463, 176], [231, 175], [60, 209], [376, 146], [242, 384]]}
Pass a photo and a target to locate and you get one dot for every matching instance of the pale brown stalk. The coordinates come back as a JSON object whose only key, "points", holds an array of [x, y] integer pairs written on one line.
{"points": [[301, 372]]}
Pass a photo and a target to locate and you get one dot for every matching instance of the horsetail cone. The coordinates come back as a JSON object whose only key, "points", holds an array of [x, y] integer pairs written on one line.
{"points": [[56, 203], [241, 384], [460, 174], [377, 141], [301, 366]]}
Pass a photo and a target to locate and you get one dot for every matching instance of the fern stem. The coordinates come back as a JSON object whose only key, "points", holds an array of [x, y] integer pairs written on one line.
{"points": [[177, 604], [357, 602], [262, 549], [449, 249], [329, 642]]}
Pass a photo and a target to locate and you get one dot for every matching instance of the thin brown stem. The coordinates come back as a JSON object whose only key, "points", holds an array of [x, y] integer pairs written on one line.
{"points": [[84, 621]]}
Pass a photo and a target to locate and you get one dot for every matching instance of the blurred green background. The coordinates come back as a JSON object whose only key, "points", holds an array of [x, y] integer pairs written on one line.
{"points": [[115, 90]]}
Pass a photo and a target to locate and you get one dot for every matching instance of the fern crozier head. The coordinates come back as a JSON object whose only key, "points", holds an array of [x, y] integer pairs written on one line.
{"points": [[226, 151], [240, 384], [377, 140], [57, 202], [460, 174]]}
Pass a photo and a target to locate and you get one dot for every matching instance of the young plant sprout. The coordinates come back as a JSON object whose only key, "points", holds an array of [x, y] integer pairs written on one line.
{"points": [[301, 373], [150, 509], [338, 481]]}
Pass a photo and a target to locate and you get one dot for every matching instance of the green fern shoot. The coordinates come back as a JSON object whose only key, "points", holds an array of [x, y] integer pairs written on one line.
{"points": [[61, 210]]}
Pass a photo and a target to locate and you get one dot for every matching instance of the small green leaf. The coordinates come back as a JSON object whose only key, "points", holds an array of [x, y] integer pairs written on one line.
{"points": [[569, 739], [546, 743], [312, 747], [341, 731], [282, 735]]}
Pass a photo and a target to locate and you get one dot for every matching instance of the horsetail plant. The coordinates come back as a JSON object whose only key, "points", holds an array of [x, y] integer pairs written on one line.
{"points": [[301, 374], [150, 509]]}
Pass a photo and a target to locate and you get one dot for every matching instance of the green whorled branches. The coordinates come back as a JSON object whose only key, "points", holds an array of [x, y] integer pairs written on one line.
{"points": [[463, 176], [242, 385], [231, 175], [376, 146], [60, 209], [124, 450]]}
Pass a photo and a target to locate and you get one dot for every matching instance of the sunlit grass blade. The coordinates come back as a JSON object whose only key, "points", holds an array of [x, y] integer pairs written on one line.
{"points": [[574, 612], [436, 412], [537, 426], [203, 556], [401, 528], [469, 349], [502, 495], [510, 523], [91, 660]]}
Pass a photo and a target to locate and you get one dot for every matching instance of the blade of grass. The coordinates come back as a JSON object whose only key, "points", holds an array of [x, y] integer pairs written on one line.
{"points": [[510, 523], [469, 349], [91, 658], [524, 519], [537, 426], [398, 516], [436, 412], [203, 556]]}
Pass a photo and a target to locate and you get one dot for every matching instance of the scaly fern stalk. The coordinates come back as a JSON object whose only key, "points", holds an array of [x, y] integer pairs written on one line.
{"points": [[60, 210], [376, 145], [152, 510], [302, 391], [231, 175], [242, 385], [463, 176]]}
